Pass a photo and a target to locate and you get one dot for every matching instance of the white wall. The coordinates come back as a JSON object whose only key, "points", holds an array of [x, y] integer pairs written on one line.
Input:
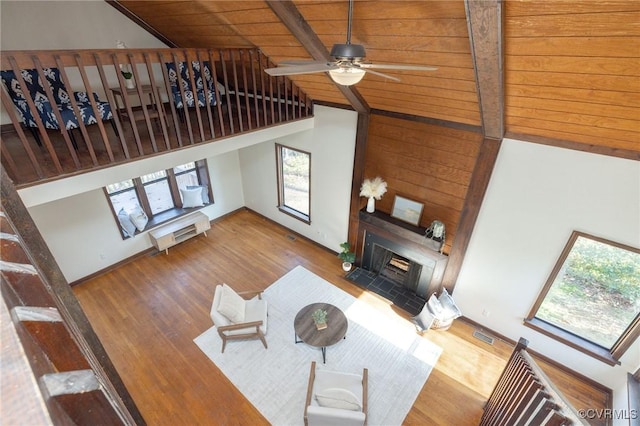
{"points": [[331, 143], [537, 196], [49, 25]]}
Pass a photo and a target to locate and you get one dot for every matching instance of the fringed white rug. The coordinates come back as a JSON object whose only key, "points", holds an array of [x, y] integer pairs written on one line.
{"points": [[275, 379]]}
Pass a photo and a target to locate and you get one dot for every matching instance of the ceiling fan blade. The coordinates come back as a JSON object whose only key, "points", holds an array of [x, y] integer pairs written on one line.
{"points": [[295, 62], [301, 69], [398, 67], [383, 75]]}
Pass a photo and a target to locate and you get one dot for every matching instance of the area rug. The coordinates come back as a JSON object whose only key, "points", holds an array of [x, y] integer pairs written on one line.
{"points": [[274, 380]]}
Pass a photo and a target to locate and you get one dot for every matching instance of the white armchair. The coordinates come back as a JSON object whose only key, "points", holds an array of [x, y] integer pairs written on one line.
{"points": [[336, 399], [238, 318]]}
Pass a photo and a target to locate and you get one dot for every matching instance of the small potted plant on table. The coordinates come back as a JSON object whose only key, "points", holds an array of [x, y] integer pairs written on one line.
{"points": [[128, 79], [347, 256], [320, 318]]}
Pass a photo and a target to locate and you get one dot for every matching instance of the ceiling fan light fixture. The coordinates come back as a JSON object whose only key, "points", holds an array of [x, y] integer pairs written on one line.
{"points": [[347, 76]]}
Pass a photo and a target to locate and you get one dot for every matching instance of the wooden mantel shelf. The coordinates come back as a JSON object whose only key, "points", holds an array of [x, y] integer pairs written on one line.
{"points": [[415, 234]]}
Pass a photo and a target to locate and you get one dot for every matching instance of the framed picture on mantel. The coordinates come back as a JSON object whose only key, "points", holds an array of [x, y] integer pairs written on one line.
{"points": [[407, 210]]}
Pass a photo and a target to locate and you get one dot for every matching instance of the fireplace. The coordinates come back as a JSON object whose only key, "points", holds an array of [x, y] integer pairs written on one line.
{"points": [[402, 264], [397, 261], [396, 268]]}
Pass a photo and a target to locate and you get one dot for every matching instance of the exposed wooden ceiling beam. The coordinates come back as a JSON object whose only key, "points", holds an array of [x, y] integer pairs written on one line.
{"points": [[291, 17], [484, 19], [135, 18]]}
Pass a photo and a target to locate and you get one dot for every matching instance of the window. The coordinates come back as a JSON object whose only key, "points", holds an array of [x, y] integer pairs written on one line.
{"points": [[591, 301], [186, 175], [123, 195], [156, 188], [294, 182], [158, 193]]}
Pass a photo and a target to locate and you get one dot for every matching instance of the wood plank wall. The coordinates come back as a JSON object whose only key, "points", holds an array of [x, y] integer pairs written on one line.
{"points": [[572, 71], [423, 162]]}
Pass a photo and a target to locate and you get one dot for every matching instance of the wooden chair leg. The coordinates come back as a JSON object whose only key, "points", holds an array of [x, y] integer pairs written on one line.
{"points": [[115, 129], [36, 136], [264, 341], [73, 139]]}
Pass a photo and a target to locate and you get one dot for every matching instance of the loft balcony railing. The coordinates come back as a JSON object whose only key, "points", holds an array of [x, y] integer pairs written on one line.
{"points": [[177, 98]]}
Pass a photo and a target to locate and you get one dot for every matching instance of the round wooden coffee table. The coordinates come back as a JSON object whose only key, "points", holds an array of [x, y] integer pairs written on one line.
{"points": [[307, 332]]}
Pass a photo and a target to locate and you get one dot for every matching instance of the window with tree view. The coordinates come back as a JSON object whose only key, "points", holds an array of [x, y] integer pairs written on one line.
{"points": [[592, 298], [294, 182]]}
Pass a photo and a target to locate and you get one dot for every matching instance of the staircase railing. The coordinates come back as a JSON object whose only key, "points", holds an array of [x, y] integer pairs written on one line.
{"points": [[524, 395]]}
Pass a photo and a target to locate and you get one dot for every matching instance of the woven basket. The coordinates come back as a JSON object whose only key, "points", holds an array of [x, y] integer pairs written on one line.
{"points": [[441, 325]]}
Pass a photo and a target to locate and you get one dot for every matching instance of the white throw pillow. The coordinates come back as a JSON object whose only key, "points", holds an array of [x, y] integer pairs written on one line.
{"points": [[339, 398], [139, 218], [205, 192], [449, 308], [191, 197], [435, 306], [125, 222], [231, 305]]}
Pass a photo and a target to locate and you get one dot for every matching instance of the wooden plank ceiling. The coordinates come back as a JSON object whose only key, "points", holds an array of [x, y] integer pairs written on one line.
{"points": [[571, 66]]}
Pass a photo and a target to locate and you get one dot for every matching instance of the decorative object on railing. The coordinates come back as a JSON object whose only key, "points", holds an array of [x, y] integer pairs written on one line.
{"points": [[524, 395], [157, 114], [373, 189]]}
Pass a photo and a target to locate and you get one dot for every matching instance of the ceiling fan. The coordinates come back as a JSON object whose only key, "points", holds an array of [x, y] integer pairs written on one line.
{"points": [[347, 67]]}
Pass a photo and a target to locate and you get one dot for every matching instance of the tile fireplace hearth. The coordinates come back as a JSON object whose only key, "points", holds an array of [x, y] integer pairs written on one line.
{"points": [[385, 287]]}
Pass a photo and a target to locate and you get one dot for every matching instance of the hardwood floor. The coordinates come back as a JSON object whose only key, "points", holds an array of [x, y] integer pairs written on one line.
{"points": [[148, 312]]}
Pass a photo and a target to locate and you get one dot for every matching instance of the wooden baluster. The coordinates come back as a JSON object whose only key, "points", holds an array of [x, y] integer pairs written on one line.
{"points": [[185, 108], [206, 91], [9, 108], [263, 88], [217, 92], [252, 64], [112, 103], [194, 90], [76, 111], [94, 106], [127, 104], [172, 103], [157, 101], [143, 103], [237, 89], [226, 84], [247, 108], [279, 97], [285, 100]]}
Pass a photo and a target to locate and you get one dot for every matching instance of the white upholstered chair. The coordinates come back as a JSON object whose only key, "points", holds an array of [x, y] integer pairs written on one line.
{"points": [[237, 317], [335, 398]]}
